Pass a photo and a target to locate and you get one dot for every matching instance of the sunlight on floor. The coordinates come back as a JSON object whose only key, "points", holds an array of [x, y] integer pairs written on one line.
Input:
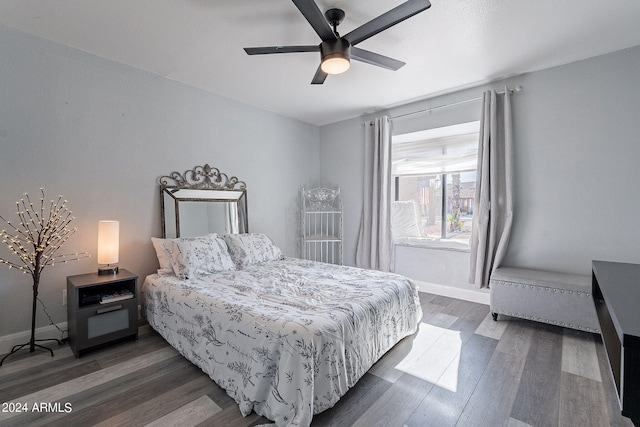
{"points": [[434, 357]]}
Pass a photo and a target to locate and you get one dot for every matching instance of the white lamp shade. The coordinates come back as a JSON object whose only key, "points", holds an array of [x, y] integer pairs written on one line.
{"points": [[108, 242]]}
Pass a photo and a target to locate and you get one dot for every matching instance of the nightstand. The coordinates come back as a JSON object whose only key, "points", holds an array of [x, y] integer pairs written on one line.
{"points": [[101, 309]]}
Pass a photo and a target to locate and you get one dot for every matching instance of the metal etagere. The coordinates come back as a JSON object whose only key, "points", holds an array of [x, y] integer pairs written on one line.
{"points": [[322, 225]]}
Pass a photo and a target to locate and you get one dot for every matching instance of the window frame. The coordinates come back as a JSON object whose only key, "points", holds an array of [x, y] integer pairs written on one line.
{"points": [[438, 133]]}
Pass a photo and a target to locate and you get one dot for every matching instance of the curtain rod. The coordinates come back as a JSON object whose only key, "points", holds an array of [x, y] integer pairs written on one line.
{"points": [[453, 104]]}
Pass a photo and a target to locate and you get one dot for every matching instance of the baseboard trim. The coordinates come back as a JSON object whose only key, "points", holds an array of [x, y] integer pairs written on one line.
{"points": [[7, 342], [473, 295]]}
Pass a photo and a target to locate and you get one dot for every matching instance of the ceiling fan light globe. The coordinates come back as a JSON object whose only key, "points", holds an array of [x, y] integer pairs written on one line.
{"points": [[335, 64]]}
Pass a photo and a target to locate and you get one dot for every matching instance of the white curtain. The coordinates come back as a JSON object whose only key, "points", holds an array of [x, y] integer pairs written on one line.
{"points": [[493, 211], [374, 241]]}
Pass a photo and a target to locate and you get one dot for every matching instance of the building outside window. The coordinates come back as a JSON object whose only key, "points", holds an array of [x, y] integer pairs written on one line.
{"points": [[437, 170]]}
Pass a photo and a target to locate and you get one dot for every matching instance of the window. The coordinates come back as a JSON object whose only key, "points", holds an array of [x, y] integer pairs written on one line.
{"points": [[437, 170]]}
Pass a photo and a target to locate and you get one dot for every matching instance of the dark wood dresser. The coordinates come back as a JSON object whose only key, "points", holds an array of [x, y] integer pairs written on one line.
{"points": [[616, 293]]}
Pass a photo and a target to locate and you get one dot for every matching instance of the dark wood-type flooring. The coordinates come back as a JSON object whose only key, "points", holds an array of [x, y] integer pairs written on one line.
{"points": [[460, 369]]}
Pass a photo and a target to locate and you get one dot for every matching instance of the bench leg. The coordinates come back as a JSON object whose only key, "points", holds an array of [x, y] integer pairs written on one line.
{"points": [[495, 316]]}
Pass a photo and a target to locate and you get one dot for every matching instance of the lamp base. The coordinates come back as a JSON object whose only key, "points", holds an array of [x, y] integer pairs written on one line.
{"points": [[109, 269]]}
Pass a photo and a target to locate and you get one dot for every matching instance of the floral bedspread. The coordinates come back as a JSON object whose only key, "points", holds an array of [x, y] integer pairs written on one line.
{"points": [[286, 338]]}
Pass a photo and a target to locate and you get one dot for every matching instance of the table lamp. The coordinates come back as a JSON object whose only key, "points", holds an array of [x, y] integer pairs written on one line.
{"points": [[108, 246]]}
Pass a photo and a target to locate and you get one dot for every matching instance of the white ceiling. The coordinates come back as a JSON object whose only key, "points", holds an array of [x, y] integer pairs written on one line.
{"points": [[454, 44]]}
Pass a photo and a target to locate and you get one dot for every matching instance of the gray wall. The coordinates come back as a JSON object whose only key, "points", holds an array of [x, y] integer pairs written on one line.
{"points": [[577, 149], [101, 133]]}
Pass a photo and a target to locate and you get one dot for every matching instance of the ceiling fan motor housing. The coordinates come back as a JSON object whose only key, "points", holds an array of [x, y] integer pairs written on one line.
{"points": [[338, 48]]}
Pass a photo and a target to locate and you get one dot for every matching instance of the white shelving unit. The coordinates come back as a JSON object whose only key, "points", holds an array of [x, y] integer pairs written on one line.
{"points": [[322, 225]]}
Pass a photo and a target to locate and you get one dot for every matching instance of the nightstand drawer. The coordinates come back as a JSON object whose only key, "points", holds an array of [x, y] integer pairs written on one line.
{"points": [[107, 322], [106, 319], [99, 324]]}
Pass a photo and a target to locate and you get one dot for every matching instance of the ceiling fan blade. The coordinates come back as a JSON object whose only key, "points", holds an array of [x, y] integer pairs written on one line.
{"points": [[319, 78], [375, 59], [386, 20], [310, 10], [280, 49]]}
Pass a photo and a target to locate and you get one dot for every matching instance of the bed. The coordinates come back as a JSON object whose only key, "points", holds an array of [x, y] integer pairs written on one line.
{"points": [[284, 337]]}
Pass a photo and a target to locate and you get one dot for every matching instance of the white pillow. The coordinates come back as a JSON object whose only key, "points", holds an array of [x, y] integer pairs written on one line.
{"points": [[252, 248], [197, 256], [163, 256]]}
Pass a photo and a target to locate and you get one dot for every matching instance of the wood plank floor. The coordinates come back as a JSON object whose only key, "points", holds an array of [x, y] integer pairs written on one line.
{"points": [[460, 369]]}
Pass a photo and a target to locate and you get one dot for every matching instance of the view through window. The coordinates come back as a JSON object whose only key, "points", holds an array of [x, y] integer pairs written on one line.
{"points": [[436, 169]]}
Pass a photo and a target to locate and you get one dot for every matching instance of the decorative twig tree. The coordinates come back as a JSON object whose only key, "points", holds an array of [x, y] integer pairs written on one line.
{"points": [[41, 231]]}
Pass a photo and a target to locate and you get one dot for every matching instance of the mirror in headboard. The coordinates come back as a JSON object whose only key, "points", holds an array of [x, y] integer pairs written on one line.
{"points": [[200, 201]]}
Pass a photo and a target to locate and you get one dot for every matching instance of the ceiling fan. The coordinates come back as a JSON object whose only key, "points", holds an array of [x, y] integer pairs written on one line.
{"points": [[335, 50]]}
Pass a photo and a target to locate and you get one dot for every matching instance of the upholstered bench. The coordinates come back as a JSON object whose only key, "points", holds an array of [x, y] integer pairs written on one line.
{"points": [[556, 298]]}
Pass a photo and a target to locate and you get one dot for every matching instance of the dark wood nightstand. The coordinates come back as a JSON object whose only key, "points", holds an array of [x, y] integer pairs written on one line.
{"points": [[101, 309]]}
